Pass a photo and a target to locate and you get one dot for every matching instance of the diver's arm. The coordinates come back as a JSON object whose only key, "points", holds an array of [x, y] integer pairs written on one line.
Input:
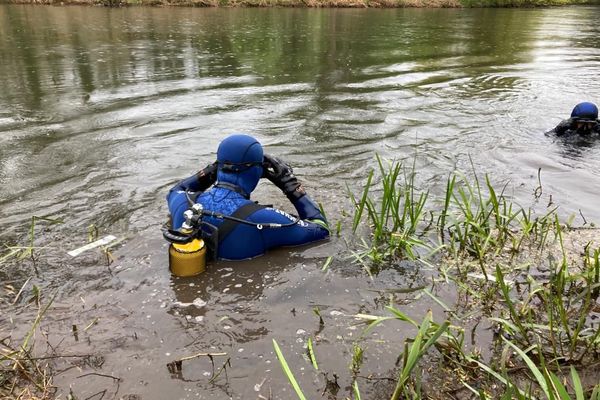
{"points": [[247, 241], [562, 128], [308, 210], [177, 198], [306, 230], [198, 182], [282, 176]]}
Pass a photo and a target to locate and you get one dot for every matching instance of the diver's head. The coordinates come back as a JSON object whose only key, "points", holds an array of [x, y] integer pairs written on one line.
{"points": [[584, 116], [585, 112], [240, 159]]}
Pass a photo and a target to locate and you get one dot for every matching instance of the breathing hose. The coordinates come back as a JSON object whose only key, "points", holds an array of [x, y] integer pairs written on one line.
{"points": [[191, 226]]}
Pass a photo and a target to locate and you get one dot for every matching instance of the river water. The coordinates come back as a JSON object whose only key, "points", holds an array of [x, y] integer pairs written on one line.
{"points": [[102, 110]]}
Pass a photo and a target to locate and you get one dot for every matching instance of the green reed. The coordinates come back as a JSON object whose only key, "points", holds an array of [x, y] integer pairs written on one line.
{"points": [[19, 368], [311, 354], [591, 260], [536, 229], [475, 219], [357, 359], [550, 319], [287, 371], [356, 391], [394, 216], [427, 336], [549, 384], [539, 304], [518, 317], [22, 252], [482, 220]]}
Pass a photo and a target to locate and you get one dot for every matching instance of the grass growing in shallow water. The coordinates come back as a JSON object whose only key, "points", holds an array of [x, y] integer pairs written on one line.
{"points": [[546, 318], [394, 217], [22, 375], [513, 272]]}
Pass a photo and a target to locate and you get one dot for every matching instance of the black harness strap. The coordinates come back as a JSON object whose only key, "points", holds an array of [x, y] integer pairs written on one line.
{"points": [[233, 188], [242, 213]]}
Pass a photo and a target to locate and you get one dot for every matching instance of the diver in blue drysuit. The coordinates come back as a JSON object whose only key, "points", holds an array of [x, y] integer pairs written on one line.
{"points": [[583, 122], [240, 165]]}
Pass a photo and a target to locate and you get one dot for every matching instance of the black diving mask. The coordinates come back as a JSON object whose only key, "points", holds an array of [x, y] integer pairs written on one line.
{"points": [[236, 168]]}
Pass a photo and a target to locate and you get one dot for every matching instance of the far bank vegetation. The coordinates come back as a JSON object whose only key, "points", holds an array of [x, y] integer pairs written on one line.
{"points": [[317, 3]]}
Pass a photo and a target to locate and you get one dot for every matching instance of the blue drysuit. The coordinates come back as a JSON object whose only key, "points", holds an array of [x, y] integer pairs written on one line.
{"points": [[232, 192]]}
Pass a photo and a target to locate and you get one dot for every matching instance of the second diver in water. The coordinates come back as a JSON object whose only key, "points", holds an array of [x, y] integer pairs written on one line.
{"points": [[583, 122]]}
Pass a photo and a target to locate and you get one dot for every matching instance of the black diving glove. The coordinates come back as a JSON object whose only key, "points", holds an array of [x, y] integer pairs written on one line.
{"points": [[282, 176], [207, 176]]}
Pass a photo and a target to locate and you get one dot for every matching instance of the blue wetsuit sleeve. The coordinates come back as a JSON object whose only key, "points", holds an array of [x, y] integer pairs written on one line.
{"points": [[301, 233], [200, 181], [191, 184], [308, 210], [178, 203], [177, 198], [248, 241]]}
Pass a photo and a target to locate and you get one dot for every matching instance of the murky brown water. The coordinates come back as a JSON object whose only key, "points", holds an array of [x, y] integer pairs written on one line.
{"points": [[102, 110]]}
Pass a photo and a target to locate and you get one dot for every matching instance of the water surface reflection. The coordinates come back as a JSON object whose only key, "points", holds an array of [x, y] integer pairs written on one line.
{"points": [[102, 110]]}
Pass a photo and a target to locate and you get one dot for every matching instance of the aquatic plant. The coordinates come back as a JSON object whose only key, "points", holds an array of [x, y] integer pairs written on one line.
{"points": [[545, 322], [475, 220], [22, 375], [545, 316], [407, 384], [428, 334], [549, 383], [393, 216], [482, 223], [22, 252], [287, 371], [357, 359], [311, 354]]}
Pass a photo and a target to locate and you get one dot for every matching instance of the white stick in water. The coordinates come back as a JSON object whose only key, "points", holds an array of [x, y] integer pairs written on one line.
{"points": [[93, 245]]}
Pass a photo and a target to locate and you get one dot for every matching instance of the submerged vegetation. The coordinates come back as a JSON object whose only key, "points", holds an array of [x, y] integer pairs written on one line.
{"points": [[27, 364], [512, 272], [22, 374]]}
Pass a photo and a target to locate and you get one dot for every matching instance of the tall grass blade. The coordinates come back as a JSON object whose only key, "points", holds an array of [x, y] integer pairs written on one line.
{"points": [[513, 312], [450, 183], [38, 319], [360, 206], [311, 354], [541, 380], [355, 390], [437, 300], [327, 263], [577, 386], [558, 386], [287, 371], [499, 377], [401, 316], [422, 342], [596, 393]]}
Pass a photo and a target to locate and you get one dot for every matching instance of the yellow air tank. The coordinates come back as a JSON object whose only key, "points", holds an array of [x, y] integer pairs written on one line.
{"points": [[187, 259]]}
